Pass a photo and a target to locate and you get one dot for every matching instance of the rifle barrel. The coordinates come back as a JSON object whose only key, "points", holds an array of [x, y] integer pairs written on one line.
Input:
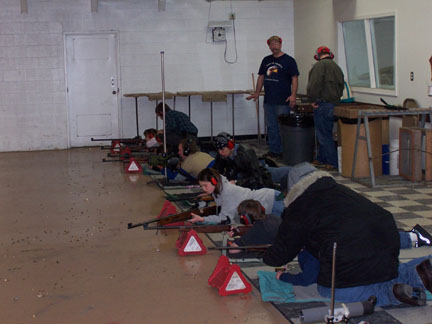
{"points": [[134, 154], [177, 217], [128, 140], [201, 228], [261, 247], [105, 160]]}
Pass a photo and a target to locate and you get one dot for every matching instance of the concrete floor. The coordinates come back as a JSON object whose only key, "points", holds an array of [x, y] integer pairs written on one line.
{"points": [[68, 257]]}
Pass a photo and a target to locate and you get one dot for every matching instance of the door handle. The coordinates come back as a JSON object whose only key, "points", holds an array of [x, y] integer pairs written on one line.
{"points": [[114, 92]]}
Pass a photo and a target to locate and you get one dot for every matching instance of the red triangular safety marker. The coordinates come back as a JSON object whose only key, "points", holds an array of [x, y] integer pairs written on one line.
{"points": [[228, 278], [133, 166], [169, 209], [189, 243], [115, 147]]}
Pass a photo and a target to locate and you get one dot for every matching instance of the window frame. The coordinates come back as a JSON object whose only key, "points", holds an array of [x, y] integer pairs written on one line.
{"points": [[372, 73]]}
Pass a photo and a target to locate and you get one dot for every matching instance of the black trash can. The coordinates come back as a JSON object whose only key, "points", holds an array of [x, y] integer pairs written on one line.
{"points": [[298, 137]]}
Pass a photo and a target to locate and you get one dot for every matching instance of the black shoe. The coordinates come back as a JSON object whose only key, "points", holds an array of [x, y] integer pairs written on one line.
{"points": [[409, 295], [424, 270], [423, 237]]}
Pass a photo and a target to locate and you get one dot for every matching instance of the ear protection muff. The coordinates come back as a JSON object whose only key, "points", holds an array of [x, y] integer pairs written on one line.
{"points": [[187, 147], [224, 140], [213, 181], [323, 49], [263, 209], [230, 144], [272, 38], [245, 219]]}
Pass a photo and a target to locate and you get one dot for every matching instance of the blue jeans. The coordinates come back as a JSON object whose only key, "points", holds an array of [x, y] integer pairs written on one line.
{"points": [[271, 113], [279, 173], [382, 290], [310, 269], [278, 205], [323, 120]]}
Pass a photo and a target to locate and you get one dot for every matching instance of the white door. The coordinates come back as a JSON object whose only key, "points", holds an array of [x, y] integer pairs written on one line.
{"points": [[92, 83]]}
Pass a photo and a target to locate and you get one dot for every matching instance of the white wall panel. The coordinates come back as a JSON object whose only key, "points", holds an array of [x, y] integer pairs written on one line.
{"points": [[32, 87]]}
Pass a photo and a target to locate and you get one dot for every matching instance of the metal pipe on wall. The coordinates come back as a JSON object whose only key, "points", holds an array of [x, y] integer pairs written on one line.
{"points": [[163, 103]]}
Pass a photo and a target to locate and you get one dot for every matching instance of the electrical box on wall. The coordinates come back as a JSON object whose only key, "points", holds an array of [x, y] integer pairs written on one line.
{"points": [[218, 29], [218, 34]]}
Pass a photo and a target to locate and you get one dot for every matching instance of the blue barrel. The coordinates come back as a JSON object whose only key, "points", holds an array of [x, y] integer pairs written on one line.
{"points": [[386, 159]]}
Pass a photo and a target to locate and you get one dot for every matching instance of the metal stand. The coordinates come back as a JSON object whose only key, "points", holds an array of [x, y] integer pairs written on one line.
{"points": [[365, 114]]}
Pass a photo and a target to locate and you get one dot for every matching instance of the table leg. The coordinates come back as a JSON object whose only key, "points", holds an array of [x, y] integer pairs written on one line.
{"points": [[233, 132], [356, 147], [189, 106], [369, 149], [136, 116], [211, 120], [157, 102]]}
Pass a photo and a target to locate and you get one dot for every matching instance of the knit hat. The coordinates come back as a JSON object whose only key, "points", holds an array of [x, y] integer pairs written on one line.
{"points": [[299, 171]]}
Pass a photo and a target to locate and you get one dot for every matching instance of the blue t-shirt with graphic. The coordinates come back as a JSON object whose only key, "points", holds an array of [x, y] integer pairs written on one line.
{"points": [[278, 72]]}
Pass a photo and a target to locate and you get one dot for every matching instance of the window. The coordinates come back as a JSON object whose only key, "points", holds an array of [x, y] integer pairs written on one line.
{"points": [[370, 52]]}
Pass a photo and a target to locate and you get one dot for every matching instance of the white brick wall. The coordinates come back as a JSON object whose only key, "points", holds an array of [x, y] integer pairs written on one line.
{"points": [[33, 108]]}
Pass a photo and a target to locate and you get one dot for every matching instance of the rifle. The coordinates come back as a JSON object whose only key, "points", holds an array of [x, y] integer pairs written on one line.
{"points": [[184, 216], [127, 159], [133, 148], [137, 139], [193, 196], [261, 247], [237, 230], [143, 154]]}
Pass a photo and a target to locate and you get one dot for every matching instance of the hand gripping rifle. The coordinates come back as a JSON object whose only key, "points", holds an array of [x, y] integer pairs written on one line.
{"points": [[237, 230], [184, 216]]}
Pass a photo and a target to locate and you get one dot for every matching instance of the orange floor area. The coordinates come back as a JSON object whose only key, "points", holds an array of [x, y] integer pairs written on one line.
{"points": [[68, 257]]}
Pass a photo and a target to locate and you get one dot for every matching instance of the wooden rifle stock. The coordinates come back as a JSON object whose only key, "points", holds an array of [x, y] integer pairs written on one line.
{"points": [[177, 217]]}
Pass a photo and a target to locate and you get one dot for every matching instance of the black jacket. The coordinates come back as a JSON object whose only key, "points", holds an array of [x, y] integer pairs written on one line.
{"points": [[245, 168], [321, 212]]}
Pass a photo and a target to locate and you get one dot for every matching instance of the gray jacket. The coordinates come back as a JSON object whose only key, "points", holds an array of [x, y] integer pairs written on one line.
{"points": [[232, 195]]}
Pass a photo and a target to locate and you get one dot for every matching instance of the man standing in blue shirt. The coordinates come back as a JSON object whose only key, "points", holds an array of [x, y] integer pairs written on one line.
{"points": [[278, 74]]}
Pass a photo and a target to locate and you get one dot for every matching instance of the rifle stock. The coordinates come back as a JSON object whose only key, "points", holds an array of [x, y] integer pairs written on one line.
{"points": [[184, 216]]}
